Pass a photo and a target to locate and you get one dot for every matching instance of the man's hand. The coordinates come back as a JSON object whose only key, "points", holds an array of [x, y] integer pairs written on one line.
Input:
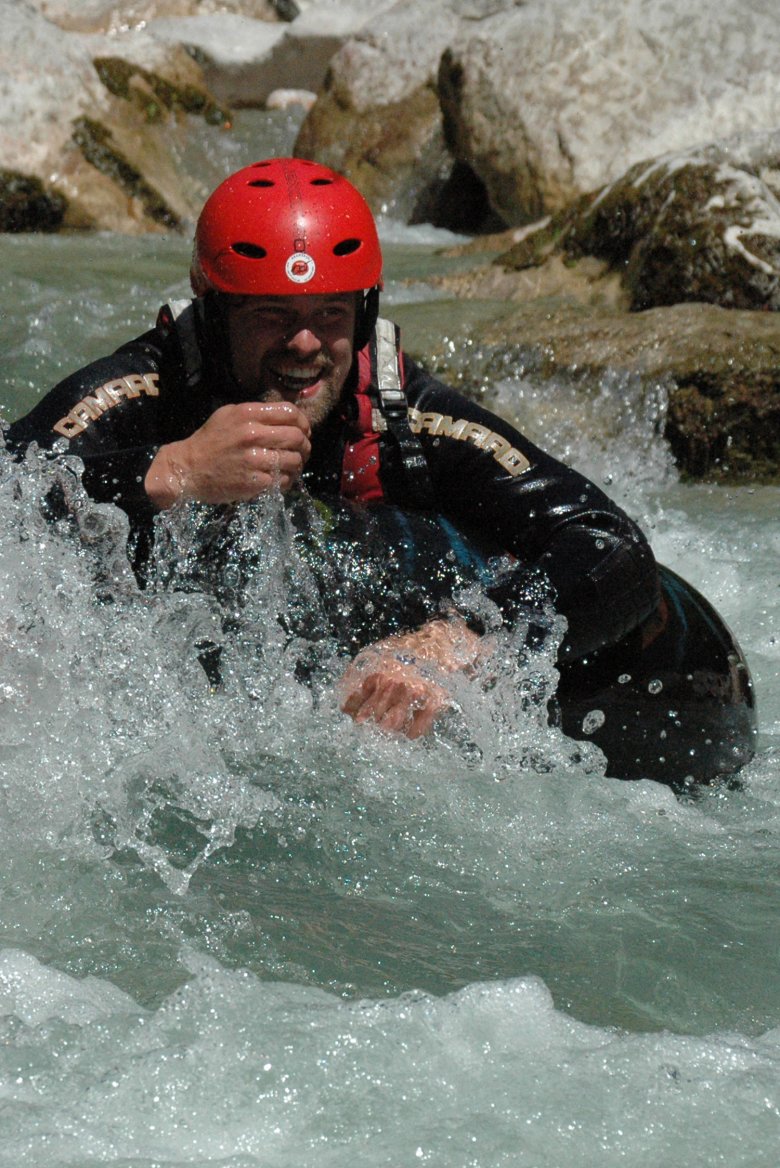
{"points": [[388, 682], [236, 455]]}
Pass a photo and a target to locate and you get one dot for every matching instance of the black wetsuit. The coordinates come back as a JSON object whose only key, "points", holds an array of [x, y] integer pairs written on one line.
{"points": [[115, 413]]}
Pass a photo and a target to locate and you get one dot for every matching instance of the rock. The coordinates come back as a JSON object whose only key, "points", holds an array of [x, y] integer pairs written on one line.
{"points": [[235, 53], [377, 118], [111, 16], [541, 101], [102, 120], [720, 367], [100, 132], [551, 99], [284, 98], [587, 281], [703, 225], [244, 60], [26, 206], [46, 79]]}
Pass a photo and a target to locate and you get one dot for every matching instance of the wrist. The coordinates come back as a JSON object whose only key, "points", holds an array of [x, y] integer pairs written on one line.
{"points": [[165, 479]]}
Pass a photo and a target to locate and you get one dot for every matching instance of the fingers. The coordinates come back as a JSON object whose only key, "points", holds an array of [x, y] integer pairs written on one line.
{"points": [[265, 443], [261, 467], [285, 422], [240, 452], [397, 704], [253, 426], [275, 413]]}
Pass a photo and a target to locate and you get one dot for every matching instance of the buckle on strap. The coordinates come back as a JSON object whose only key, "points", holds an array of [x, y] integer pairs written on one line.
{"points": [[394, 410]]}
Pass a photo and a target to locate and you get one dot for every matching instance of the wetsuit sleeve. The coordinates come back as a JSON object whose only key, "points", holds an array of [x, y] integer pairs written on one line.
{"points": [[572, 544], [109, 415]]}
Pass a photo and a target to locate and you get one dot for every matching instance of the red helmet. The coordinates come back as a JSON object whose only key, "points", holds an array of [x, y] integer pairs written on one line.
{"points": [[283, 227]]}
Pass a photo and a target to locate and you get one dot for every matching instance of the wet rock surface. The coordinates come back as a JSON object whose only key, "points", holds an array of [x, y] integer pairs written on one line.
{"points": [[719, 369], [703, 225], [101, 99], [549, 100]]}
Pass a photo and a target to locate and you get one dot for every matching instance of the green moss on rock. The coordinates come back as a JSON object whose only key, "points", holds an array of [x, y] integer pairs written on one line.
{"points": [[727, 432], [154, 95], [26, 205], [96, 144]]}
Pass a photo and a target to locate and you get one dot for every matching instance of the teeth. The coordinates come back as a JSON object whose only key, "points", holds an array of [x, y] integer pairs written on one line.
{"points": [[298, 374]]}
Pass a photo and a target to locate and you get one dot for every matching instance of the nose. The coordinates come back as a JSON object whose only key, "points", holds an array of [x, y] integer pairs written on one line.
{"points": [[303, 341]]}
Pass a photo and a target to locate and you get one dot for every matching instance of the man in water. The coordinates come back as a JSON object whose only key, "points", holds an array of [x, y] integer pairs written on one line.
{"points": [[280, 373]]}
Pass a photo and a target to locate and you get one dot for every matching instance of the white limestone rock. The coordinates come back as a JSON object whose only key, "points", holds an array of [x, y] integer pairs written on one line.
{"points": [[104, 158], [284, 98], [244, 60], [552, 99], [377, 118], [119, 16], [46, 80]]}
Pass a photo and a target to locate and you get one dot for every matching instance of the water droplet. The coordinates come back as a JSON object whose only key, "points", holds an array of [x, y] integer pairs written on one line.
{"points": [[624, 678], [593, 721], [655, 686]]}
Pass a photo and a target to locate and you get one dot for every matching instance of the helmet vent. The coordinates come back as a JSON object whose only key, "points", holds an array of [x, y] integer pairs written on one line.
{"points": [[251, 251], [262, 182], [321, 182], [346, 247]]}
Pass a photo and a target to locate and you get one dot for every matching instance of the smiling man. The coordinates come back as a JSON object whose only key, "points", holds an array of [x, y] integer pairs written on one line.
{"points": [[280, 373]]}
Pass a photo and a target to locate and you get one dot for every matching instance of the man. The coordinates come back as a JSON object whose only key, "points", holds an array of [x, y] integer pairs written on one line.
{"points": [[280, 373]]}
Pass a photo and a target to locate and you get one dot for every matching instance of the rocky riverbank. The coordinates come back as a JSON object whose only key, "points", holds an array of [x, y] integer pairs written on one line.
{"points": [[627, 155]]}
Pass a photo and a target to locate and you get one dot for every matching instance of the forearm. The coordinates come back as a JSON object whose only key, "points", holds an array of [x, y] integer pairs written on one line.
{"points": [[602, 578]]}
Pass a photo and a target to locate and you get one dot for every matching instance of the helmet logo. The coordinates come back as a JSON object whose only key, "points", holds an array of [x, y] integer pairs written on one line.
{"points": [[300, 267]]}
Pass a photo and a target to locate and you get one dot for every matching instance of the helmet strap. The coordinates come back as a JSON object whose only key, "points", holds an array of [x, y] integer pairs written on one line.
{"points": [[367, 313], [219, 355]]}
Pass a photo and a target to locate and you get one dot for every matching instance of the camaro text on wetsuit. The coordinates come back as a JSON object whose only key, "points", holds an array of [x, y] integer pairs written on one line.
{"points": [[442, 425], [104, 398]]}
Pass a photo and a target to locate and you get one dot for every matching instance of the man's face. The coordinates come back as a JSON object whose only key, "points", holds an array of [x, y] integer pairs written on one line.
{"points": [[293, 348]]}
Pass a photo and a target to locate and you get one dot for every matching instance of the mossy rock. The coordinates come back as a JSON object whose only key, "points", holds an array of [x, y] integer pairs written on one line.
{"points": [[699, 227], [26, 205], [97, 146], [728, 431], [156, 96], [720, 369], [689, 232]]}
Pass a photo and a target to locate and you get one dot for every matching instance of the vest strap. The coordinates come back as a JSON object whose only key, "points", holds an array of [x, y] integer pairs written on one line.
{"points": [[389, 401]]}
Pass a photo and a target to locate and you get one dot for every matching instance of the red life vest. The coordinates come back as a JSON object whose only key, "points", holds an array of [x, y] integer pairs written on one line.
{"points": [[362, 453]]}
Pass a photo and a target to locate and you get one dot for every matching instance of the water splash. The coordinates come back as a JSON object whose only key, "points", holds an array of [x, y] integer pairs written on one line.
{"points": [[129, 739]]}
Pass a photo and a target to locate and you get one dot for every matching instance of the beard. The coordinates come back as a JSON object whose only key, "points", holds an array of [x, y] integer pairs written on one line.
{"points": [[315, 387]]}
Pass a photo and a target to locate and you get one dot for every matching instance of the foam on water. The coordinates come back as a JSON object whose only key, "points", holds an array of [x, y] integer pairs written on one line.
{"points": [[240, 1072], [223, 908]]}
